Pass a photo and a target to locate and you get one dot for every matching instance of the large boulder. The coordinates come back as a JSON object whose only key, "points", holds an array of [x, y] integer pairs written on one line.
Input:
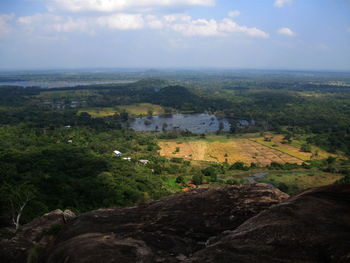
{"points": [[18, 247], [311, 227], [167, 230]]}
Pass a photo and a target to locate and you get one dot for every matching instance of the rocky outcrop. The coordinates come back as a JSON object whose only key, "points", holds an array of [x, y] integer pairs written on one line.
{"points": [[18, 248], [167, 230], [311, 227], [245, 223]]}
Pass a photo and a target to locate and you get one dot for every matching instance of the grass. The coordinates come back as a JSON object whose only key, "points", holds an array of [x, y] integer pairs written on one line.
{"points": [[100, 112], [135, 109], [142, 109], [171, 185], [222, 148], [300, 180], [292, 149], [71, 94]]}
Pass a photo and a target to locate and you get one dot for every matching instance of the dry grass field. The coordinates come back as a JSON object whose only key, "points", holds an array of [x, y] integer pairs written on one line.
{"points": [[135, 109], [142, 109], [293, 149], [100, 112], [231, 151]]}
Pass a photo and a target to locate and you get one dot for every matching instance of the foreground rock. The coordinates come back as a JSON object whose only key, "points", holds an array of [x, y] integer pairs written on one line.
{"points": [[311, 227], [18, 248], [246, 223], [167, 230]]}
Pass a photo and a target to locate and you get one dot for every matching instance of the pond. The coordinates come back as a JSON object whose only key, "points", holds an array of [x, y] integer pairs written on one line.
{"points": [[196, 123]]}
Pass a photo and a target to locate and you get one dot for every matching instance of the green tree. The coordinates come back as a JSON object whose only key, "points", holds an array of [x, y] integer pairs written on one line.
{"points": [[180, 179], [197, 179], [209, 171], [237, 166], [18, 198], [305, 148], [150, 112]]}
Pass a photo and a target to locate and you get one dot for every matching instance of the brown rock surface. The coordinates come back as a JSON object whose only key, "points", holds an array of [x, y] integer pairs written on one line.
{"points": [[311, 227], [167, 230], [246, 223], [17, 248]]}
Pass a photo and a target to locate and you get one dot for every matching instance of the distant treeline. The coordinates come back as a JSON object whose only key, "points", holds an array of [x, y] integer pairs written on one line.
{"points": [[322, 110]]}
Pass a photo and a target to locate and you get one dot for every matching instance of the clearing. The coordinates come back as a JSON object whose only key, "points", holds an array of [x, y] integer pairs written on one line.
{"points": [[300, 180], [142, 109], [134, 109], [247, 150]]}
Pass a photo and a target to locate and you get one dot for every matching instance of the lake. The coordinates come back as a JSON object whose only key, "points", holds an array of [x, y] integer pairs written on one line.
{"points": [[196, 123], [59, 84]]}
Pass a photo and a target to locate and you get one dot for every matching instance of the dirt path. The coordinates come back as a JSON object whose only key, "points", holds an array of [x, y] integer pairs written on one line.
{"points": [[252, 178]]}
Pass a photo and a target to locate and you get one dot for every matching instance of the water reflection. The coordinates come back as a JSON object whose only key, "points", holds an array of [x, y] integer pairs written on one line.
{"points": [[196, 123]]}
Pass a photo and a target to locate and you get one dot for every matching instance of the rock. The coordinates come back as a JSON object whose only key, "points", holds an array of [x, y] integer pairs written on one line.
{"points": [[167, 230], [14, 250], [245, 223], [311, 227], [35, 229], [17, 248], [97, 247]]}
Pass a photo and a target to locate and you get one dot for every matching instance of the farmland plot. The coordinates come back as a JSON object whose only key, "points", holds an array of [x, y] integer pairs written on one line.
{"points": [[243, 150]]}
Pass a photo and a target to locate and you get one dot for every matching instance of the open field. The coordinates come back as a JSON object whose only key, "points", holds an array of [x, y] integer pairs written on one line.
{"points": [[226, 150], [142, 109], [293, 149], [301, 180], [135, 109], [71, 94], [100, 112]]}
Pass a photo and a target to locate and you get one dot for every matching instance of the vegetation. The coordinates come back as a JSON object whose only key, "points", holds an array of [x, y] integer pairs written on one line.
{"points": [[56, 145]]}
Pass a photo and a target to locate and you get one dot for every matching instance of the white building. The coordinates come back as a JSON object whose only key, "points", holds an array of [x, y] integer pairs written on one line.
{"points": [[117, 153], [144, 161]]}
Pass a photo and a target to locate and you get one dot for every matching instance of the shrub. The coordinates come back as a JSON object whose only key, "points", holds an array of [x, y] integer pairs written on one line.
{"points": [[176, 160], [180, 179], [238, 166], [209, 171], [214, 178], [197, 179], [305, 148], [344, 180]]}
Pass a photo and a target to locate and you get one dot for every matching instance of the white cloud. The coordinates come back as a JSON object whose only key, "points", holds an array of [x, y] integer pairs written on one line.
{"points": [[181, 23], [153, 22], [286, 31], [187, 26], [5, 28], [202, 27], [49, 23], [229, 26], [234, 13], [39, 19], [122, 21], [282, 3], [120, 5]]}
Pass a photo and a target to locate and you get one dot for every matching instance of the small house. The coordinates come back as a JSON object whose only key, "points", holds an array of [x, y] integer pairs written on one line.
{"points": [[117, 153], [127, 159], [144, 162]]}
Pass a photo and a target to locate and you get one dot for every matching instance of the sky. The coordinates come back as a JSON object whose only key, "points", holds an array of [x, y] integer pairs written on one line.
{"points": [[237, 34]]}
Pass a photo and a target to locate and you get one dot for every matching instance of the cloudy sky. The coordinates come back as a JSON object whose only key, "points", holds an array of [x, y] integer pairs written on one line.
{"points": [[259, 34]]}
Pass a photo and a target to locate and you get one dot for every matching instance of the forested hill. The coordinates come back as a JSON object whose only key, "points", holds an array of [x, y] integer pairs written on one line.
{"points": [[322, 110]]}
